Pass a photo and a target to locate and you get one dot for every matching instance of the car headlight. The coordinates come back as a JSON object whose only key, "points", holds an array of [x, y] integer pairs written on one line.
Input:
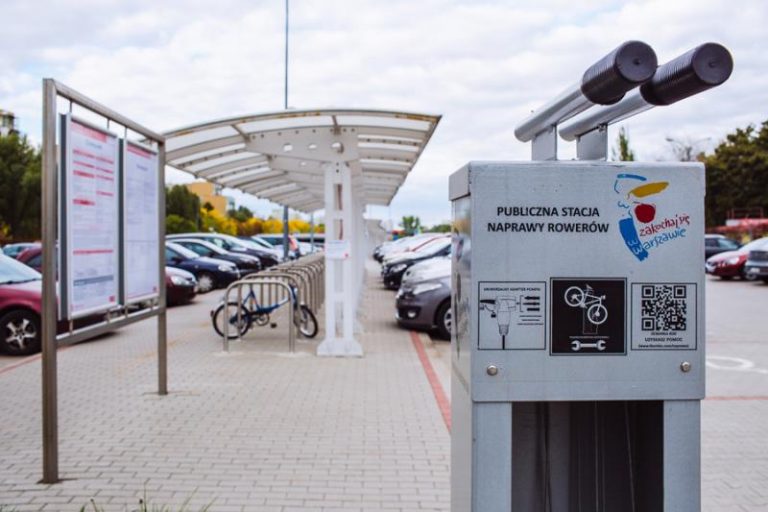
{"points": [[425, 287], [732, 261], [179, 281], [398, 268]]}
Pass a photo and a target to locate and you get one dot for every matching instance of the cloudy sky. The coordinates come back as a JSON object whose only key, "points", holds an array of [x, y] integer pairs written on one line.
{"points": [[483, 65]]}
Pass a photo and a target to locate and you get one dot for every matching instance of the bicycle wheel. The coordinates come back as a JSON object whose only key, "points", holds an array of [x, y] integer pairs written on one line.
{"points": [[597, 314], [306, 322], [574, 296], [218, 324]]}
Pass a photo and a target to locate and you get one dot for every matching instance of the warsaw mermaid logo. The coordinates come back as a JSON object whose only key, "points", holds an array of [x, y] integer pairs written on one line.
{"points": [[641, 230]]}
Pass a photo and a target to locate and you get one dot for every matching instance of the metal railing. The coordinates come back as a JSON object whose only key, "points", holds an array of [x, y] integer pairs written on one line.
{"points": [[299, 283]]}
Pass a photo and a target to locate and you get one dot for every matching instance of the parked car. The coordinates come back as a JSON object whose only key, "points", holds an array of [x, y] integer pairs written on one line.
{"points": [[245, 263], [730, 264], [756, 266], [317, 239], [209, 272], [13, 250], [417, 245], [715, 244], [431, 268], [424, 299], [180, 286], [20, 293], [394, 268], [277, 242], [401, 244], [32, 257], [266, 245], [233, 244]]}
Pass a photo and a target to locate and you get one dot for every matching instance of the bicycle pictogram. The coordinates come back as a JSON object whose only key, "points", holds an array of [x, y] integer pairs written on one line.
{"points": [[577, 297]]}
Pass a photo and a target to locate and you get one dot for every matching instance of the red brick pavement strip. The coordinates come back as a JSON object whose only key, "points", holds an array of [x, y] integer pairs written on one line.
{"points": [[443, 403]]}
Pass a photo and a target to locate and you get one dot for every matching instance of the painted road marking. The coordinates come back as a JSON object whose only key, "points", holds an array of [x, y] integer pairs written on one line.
{"points": [[734, 364]]}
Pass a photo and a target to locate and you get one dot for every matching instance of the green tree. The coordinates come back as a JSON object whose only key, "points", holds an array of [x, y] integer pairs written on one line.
{"points": [[20, 165], [183, 203], [440, 228], [177, 224], [623, 152], [411, 224], [737, 173], [241, 214]]}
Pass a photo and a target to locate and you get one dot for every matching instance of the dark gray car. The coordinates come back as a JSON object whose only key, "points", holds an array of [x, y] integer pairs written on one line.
{"points": [[424, 299]]}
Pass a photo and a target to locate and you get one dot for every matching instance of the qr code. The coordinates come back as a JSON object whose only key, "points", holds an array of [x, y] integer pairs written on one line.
{"points": [[664, 307]]}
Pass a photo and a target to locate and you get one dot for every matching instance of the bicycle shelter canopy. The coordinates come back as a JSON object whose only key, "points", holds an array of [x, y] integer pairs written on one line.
{"points": [[339, 160]]}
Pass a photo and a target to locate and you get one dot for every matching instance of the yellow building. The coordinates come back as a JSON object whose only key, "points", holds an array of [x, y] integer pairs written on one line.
{"points": [[210, 193]]}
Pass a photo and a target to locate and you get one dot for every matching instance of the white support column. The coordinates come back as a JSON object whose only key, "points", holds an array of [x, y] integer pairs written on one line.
{"points": [[339, 225]]}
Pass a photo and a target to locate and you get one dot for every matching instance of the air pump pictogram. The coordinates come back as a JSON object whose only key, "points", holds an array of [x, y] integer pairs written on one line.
{"points": [[502, 307]]}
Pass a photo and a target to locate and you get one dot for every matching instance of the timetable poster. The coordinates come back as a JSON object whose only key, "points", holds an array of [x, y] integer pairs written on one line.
{"points": [[91, 217]]}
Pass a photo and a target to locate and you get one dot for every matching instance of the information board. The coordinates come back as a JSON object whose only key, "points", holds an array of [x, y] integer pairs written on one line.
{"points": [[90, 218], [140, 229]]}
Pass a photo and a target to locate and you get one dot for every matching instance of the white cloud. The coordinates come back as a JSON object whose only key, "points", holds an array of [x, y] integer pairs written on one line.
{"points": [[483, 65]]}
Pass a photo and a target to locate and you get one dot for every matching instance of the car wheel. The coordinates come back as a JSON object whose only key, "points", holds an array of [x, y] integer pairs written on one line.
{"points": [[205, 282], [444, 320], [765, 280], [20, 332], [747, 276]]}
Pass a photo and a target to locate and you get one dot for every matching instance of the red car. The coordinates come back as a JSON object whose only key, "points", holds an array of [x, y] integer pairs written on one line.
{"points": [[32, 257], [20, 291], [180, 286], [730, 264]]}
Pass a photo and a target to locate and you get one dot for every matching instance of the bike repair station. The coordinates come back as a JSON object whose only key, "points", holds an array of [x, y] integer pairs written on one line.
{"points": [[578, 357]]}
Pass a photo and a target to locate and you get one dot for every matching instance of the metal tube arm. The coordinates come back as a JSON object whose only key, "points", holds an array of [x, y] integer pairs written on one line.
{"points": [[603, 83], [697, 70]]}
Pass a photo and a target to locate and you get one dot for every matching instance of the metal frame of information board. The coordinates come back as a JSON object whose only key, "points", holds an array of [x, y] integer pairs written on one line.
{"points": [[114, 319]]}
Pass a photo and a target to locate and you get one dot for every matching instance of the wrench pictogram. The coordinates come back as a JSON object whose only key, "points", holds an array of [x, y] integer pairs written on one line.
{"points": [[577, 345]]}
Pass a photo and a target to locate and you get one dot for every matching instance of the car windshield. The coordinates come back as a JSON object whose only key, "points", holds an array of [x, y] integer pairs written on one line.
{"points": [[262, 242], [433, 246], [242, 244], [202, 248], [12, 271], [183, 251]]}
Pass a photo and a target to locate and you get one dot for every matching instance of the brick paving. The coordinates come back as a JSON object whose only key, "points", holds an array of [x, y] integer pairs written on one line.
{"points": [[254, 430]]}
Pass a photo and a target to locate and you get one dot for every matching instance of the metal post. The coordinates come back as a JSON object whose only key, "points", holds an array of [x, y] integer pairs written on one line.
{"points": [[285, 95], [312, 230], [162, 325], [285, 233], [49, 306]]}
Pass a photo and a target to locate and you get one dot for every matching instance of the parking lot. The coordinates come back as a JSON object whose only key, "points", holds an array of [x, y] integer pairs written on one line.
{"points": [[261, 430]]}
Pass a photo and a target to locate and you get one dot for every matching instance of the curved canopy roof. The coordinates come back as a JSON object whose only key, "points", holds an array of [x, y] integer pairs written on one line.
{"points": [[281, 156]]}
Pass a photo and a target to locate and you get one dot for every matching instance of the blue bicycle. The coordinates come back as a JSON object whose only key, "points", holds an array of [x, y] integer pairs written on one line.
{"points": [[251, 312]]}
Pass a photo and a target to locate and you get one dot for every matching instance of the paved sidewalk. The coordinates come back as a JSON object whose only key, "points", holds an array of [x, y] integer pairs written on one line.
{"points": [[254, 430]]}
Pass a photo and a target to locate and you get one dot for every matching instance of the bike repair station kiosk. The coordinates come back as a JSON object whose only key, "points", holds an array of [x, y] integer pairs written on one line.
{"points": [[578, 355]]}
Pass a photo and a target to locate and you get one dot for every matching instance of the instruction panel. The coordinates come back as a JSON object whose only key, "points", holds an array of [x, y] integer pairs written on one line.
{"points": [[511, 315]]}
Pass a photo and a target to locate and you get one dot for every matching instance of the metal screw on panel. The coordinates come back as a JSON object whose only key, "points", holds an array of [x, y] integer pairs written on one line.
{"points": [[685, 367], [492, 370]]}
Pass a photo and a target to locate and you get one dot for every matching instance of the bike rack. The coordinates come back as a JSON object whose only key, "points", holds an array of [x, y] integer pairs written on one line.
{"points": [[271, 284], [304, 277]]}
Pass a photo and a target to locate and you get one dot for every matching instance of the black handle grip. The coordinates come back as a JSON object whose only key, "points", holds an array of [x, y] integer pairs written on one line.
{"points": [[702, 68], [607, 81]]}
